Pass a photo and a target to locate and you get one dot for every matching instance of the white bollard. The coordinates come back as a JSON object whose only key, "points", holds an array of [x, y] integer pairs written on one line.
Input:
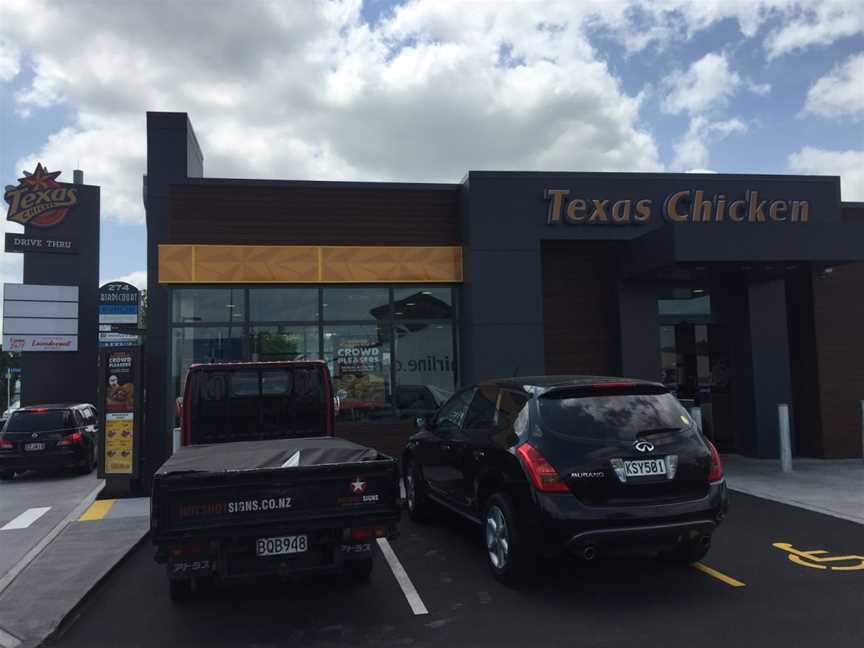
{"points": [[176, 439], [862, 428], [696, 415], [785, 440]]}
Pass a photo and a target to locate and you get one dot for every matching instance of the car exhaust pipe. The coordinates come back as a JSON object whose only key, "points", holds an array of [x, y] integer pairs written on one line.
{"points": [[589, 553]]}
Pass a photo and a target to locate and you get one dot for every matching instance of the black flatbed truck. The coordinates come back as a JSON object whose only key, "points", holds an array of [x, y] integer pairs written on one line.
{"points": [[267, 506], [226, 519]]}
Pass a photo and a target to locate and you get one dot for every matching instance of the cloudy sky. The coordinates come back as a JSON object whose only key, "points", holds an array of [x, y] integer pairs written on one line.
{"points": [[424, 90]]}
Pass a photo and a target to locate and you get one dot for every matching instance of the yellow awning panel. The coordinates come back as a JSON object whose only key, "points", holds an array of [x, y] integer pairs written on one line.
{"points": [[221, 264]]}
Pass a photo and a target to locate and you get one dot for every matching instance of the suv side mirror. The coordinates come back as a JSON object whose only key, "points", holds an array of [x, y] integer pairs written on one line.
{"points": [[420, 422]]}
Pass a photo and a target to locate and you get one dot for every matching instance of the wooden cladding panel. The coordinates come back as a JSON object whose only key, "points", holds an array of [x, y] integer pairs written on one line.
{"points": [[576, 307], [264, 214], [839, 322], [215, 264]]}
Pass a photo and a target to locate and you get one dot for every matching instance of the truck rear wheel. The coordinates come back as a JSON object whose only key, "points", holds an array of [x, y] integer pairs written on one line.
{"points": [[180, 590], [358, 571]]}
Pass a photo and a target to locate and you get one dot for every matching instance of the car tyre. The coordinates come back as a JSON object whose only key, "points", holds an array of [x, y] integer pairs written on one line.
{"points": [[89, 464], [358, 571], [508, 553], [686, 553], [6, 475], [416, 498]]}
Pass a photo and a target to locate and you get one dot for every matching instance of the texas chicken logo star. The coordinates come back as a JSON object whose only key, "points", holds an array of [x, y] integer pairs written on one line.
{"points": [[39, 200]]}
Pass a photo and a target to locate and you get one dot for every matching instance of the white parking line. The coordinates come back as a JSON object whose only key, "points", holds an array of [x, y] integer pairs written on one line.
{"points": [[7, 640], [27, 518], [30, 556], [408, 589]]}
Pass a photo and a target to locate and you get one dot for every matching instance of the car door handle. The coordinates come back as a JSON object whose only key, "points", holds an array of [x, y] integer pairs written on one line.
{"points": [[479, 454], [446, 447]]}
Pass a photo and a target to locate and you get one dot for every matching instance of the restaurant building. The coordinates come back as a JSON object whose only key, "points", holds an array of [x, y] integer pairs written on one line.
{"points": [[740, 292]]}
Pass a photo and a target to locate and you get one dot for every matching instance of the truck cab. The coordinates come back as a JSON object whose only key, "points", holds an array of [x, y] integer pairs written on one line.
{"points": [[255, 401]]}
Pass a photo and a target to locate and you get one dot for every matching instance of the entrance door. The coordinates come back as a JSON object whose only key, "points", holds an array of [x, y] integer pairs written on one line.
{"points": [[695, 366]]}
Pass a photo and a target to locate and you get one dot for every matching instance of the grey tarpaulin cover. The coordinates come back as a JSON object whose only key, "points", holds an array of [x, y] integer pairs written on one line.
{"points": [[253, 455]]}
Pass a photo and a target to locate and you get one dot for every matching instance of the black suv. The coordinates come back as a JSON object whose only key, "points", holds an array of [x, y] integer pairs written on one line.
{"points": [[582, 464], [46, 437]]}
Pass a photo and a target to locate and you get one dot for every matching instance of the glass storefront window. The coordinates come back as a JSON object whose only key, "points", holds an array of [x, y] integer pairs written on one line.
{"points": [[696, 305], [349, 303], [284, 343], [359, 362], [208, 305], [425, 365], [355, 332], [283, 304], [201, 344], [420, 303]]}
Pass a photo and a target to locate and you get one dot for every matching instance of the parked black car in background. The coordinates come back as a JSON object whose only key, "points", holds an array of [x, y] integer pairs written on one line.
{"points": [[580, 464], [49, 437]]}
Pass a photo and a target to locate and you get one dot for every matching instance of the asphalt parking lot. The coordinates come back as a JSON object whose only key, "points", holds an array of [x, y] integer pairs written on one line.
{"points": [[750, 593]]}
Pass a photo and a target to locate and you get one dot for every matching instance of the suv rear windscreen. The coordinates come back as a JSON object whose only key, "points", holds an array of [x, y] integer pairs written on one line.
{"points": [[253, 404], [28, 421], [616, 416]]}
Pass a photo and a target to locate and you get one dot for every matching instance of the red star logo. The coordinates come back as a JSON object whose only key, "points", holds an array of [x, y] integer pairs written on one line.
{"points": [[358, 486], [41, 178]]}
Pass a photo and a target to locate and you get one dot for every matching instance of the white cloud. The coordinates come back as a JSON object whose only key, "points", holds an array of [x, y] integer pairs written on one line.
{"points": [[816, 24], [425, 94], [691, 151], [10, 60], [849, 165], [137, 279], [707, 83], [840, 93]]}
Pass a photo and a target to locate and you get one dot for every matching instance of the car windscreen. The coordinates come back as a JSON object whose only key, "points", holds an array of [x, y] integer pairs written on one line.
{"points": [[255, 404], [611, 416], [28, 421]]}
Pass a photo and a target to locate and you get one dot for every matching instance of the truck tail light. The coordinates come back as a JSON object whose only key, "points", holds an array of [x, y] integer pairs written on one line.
{"points": [[544, 477], [70, 439], [189, 551], [5, 444], [362, 534], [716, 473]]}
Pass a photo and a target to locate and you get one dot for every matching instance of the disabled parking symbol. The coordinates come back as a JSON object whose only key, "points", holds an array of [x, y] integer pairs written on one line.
{"points": [[821, 559]]}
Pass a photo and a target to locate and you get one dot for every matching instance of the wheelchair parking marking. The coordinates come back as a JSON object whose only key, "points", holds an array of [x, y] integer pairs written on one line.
{"points": [[98, 510], [723, 578], [816, 558], [402, 578]]}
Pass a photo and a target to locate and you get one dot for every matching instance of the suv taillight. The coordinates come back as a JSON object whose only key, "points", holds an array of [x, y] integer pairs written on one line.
{"points": [[69, 439], [544, 477], [6, 444], [716, 473]]}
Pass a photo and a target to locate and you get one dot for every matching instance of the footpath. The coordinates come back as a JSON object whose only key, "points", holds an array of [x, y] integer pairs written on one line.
{"points": [[38, 594], [829, 486]]}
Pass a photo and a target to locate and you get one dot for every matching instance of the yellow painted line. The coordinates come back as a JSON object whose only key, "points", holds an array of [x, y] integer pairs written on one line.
{"points": [[705, 569], [97, 511]]}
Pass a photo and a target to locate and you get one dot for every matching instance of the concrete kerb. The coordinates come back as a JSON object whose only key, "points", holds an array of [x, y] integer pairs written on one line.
{"points": [[67, 620]]}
